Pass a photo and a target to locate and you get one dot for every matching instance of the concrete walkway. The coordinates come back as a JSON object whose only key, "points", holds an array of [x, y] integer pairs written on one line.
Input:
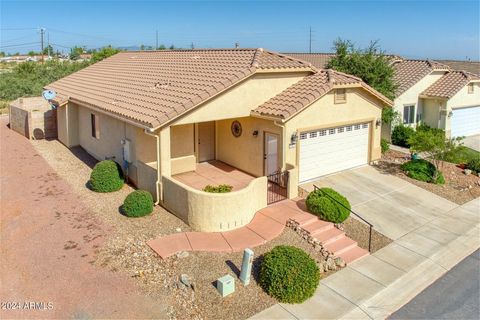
{"points": [[267, 224], [377, 285]]}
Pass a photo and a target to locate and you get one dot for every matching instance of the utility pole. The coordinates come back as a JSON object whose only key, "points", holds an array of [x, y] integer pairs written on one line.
{"points": [[310, 42], [48, 44], [156, 42], [42, 31]]}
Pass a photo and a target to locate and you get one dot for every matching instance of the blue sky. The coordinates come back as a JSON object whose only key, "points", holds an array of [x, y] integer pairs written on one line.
{"points": [[416, 29]]}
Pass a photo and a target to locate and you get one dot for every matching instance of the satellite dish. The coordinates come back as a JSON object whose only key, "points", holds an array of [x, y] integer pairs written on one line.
{"points": [[49, 94]]}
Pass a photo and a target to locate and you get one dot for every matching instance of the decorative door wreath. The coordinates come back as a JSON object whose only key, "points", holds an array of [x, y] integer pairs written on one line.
{"points": [[236, 129]]}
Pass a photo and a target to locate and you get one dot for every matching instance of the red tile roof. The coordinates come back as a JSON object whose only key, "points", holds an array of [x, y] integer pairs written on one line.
{"points": [[152, 87], [303, 93], [409, 72], [448, 85]]}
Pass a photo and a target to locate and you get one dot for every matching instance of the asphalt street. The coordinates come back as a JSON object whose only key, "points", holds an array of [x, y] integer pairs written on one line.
{"points": [[456, 295]]}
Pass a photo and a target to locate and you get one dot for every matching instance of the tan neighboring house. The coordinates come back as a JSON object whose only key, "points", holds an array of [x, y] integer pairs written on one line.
{"points": [[162, 114], [437, 95]]}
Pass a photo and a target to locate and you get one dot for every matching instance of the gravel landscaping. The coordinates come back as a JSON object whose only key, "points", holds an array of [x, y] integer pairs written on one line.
{"points": [[360, 232], [125, 250], [458, 188]]}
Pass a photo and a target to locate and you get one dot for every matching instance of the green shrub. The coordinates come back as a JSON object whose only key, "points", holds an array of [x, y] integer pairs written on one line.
{"points": [[106, 176], [328, 205], [422, 170], [222, 188], [424, 127], [474, 164], [289, 274], [138, 204], [401, 134], [385, 146]]}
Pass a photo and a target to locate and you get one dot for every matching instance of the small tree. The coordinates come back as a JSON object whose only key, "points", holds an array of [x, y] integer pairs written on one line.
{"points": [[370, 64], [103, 53], [433, 144]]}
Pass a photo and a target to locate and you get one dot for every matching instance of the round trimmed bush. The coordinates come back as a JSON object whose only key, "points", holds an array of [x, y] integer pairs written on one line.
{"points": [[106, 176], [138, 204], [422, 170], [474, 165], [328, 205], [289, 274], [401, 134]]}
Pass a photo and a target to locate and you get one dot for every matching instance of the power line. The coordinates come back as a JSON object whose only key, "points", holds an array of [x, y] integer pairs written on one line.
{"points": [[19, 45]]}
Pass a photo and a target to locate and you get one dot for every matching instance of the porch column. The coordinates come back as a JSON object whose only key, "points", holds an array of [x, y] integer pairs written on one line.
{"points": [[165, 155]]}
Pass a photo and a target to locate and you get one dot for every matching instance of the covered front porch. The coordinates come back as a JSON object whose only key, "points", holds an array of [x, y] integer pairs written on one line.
{"points": [[214, 173]]}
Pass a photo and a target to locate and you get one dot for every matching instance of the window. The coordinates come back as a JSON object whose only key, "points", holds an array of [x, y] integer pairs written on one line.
{"points": [[470, 88], [331, 131], [313, 134], [408, 114], [357, 127], [95, 126], [340, 95], [303, 136]]}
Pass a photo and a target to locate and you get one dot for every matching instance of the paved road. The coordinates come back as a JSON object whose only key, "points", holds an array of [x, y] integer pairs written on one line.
{"points": [[48, 246], [456, 295]]}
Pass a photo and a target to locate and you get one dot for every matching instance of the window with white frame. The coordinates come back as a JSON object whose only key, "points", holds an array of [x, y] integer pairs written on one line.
{"points": [[95, 120], [409, 114]]}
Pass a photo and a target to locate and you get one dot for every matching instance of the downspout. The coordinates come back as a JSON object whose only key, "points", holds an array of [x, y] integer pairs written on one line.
{"points": [[151, 133]]}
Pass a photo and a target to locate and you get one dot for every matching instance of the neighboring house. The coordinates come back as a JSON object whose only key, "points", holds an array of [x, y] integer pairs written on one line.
{"points": [[162, 113], [433, 93], [469, 66], [441, 94]]}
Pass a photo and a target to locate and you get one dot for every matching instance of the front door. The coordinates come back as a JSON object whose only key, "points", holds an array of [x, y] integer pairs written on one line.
{"points": [[271, 153], [206, 141]]}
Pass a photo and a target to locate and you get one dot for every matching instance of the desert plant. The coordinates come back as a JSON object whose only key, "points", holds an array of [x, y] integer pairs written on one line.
{"points": [[222, 188], [328, 205], [401, 135], [289, 274], [423, 170], [138, 204], [384, 145], [106, 176], [474, 164]]}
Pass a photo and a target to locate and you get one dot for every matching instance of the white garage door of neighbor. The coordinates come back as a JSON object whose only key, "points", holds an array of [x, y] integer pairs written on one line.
{"points": [[331, 150], [465, 121]]}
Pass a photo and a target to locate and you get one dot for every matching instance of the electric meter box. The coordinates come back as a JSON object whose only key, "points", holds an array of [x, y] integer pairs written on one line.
{"points": [[126, 151], [226, 285]]}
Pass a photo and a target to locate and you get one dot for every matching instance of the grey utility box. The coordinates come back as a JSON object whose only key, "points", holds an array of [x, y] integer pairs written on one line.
{"points": [[226, 285]]}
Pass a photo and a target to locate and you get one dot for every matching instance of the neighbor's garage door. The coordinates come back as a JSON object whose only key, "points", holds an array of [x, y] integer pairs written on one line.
{"points": [[465, 121], [331, 150]]}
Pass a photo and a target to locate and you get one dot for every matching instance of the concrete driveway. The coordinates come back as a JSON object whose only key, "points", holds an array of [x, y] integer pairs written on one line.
{"points": [[394, 206], [473, 142]]}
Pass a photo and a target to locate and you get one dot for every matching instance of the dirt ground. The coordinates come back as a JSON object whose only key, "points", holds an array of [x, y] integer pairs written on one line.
{"points": [[458, 188], [49, 241]]}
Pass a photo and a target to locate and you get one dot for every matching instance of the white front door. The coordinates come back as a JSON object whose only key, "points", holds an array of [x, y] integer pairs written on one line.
{"points": [[465, 121], [271, 153], [331, 150]]}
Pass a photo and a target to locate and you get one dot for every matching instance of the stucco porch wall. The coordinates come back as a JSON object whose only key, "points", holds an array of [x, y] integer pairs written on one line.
{"points": [[213, 212]]}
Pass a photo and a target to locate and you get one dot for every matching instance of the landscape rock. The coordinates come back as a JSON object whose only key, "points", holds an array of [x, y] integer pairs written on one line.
{"points": [[467, 172], [185, 280], [340, 262], [182, 254], [330, 264]]}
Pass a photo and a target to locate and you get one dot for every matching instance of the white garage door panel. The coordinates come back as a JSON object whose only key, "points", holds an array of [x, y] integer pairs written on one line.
{"points": [[465, 121], [326, 151]]}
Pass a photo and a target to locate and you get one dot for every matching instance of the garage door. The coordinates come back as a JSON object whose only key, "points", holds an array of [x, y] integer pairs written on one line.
{"points": [[331, 150], [465, 121]]}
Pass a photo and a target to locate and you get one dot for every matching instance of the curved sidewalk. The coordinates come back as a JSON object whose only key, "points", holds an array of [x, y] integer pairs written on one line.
{"points": [[266, 225]]}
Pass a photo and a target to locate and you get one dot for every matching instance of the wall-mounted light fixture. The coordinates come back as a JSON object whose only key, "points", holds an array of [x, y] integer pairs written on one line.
{"points": [[378, 123], [450, 113], [255, 133], [293, 138]]}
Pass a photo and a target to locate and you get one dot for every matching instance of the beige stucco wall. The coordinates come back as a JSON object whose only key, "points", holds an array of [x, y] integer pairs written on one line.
{"points": [[67, 124], [431, 113], [213, 212], [464, 99], [240, 100], [360, 107], [182, 140], [245, 152], [411, 96]]}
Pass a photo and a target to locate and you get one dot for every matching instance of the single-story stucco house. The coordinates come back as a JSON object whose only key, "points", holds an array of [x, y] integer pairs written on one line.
{"points": [[167, 115]]}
